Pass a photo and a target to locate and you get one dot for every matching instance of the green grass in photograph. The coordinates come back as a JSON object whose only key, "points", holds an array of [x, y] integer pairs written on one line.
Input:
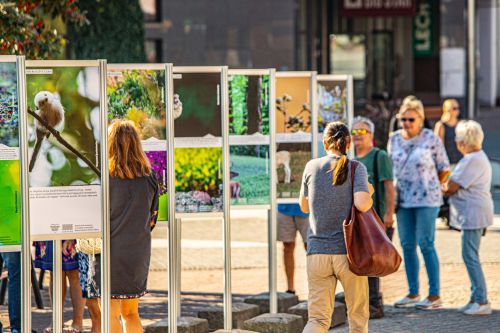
{"points": [[10, 216], [298, 161], [252, 178]]}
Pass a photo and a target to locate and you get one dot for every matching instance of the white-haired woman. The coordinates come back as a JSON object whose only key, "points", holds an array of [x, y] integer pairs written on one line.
{"points": [[471, 208], [420, 166]]}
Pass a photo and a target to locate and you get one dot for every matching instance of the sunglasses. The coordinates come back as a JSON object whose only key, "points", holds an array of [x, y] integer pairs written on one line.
{"points": [[410, 120], [360, 131], [455, 108]]}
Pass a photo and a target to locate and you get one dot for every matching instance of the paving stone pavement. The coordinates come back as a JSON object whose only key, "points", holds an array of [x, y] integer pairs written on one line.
{"points": [[202, 278]]}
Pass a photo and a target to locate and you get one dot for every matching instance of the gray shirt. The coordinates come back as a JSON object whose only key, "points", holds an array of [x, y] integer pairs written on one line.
{"points": [[329, 205], [472, 206]]}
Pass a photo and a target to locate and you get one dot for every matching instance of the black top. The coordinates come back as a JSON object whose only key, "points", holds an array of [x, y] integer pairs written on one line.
{"points": [[450, 145]]}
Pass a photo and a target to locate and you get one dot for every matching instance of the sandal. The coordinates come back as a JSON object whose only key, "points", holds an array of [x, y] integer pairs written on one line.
{"points": [[71, 330], [47, 330]]}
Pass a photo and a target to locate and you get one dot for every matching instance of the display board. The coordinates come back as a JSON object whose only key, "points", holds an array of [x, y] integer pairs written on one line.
{"points": [[10, 177], [294, 130], [137, 92], [334, 103], [249, 136], [65, 105], [198, 140]]}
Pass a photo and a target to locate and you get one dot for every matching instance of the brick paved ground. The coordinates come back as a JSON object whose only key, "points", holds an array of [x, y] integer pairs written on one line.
{"points": [[202, 279]]}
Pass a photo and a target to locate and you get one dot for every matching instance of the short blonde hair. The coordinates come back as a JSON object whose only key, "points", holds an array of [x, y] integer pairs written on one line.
{"points": [[412, 105], [470, 133]]}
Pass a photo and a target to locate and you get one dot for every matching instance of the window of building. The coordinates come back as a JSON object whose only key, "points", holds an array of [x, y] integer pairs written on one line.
{"points": [[153, 50], [151, 10]]}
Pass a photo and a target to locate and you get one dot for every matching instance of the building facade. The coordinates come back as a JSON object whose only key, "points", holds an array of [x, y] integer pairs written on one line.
{"points": [[395, 48]]}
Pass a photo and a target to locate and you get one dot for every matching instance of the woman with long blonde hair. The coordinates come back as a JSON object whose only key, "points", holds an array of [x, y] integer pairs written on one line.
{"points": [[133, 194]]}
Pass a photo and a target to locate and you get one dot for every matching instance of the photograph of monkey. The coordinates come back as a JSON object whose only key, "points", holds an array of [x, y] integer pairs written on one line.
{"points": [[139, 96], [63, 116]]}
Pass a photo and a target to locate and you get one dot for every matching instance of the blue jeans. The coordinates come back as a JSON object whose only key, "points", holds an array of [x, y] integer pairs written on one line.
{"points": [[418, 226], [13, 263], [470, 253]]}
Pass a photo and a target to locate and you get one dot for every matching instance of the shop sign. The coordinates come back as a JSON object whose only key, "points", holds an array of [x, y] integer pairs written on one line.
{"points": [[351, 8], [423, 34]]}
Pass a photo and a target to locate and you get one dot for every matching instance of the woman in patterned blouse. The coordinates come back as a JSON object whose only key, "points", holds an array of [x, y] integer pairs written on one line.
{"points": [[420, 166]]}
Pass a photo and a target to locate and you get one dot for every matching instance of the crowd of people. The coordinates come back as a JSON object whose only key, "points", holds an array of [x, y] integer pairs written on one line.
{"points": [[409, 181]]}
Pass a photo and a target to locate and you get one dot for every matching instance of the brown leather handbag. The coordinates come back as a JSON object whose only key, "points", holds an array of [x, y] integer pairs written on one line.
{"points": [[369, 251]]}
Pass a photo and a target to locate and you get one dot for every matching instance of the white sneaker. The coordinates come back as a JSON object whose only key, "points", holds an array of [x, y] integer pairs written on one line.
{"points": [[465, 307], [407, 302], [427, 304], [479, 310]]}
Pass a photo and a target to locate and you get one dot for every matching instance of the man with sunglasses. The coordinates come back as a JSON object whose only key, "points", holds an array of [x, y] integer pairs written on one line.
{"points": [[379, 167]]}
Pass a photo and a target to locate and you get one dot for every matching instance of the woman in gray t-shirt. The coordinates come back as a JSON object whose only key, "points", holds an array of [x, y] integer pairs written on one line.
{"points": [[471, 208], [327, 194]]}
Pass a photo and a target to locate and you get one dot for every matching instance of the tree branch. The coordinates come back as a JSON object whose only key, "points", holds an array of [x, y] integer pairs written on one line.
{"points": [[65, 143]]}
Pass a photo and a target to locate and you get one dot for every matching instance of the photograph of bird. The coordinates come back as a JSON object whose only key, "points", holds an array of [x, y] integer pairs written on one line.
{"points": [[50, 109]]}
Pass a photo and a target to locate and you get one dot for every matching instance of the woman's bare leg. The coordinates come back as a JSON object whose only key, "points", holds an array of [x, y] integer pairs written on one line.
{"points": [[95, 314], [77, 300], [130, 315]]}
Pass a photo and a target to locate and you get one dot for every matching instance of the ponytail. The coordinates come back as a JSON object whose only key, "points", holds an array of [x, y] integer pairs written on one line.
{"points": [[340, 171], [338, 137]]}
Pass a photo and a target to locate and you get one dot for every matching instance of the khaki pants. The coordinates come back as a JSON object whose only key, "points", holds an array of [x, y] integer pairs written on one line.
{"points": [[323, 271]]}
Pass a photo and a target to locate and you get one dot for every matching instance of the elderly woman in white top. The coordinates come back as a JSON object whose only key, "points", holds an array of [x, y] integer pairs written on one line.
{"points": [[471, 208]]}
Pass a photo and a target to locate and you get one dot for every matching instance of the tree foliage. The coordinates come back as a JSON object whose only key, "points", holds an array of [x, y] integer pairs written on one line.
{"points": [[116, 32], [30, 27]]}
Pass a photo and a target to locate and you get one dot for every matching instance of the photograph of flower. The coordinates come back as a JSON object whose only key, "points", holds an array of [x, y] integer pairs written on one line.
{"points": [[64, 116], [9, 135], [198, 183], [250, 176], [248, 104], [291, 158], [332, 102], [293, 104], [139, 96], [197, 105], [10, 214]]}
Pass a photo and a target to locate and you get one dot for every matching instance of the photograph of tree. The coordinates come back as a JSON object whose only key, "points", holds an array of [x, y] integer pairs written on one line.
{"points": [[249, 104], [249, 175], [9, 135], [64, 117], [197, 104], [293, 108], [198, 180], [332, 102], [291, 158], [10, 210], [139, 96]]}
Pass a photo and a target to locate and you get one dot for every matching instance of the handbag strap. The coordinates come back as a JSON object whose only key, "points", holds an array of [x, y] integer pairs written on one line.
{"points": [[376, 179]]}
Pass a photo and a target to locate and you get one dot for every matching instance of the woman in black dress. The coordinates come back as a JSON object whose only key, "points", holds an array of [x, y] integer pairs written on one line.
{"points": [[133, 212]]}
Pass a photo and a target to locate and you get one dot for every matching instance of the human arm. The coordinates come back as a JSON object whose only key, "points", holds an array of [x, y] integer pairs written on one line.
{"points": [[304, 191], [362, 196], [155, 202], [439, 130], [390, 203], [67, 247], [441, 160], [450, 187], [304, 204]]}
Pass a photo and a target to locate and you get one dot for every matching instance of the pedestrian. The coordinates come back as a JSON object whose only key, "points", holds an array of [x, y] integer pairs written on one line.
{"points": [[13, 263], [472, 208], [379, 168], [133, 194], [90, 290], [291, 220], [327, 193], [44, 260], [445, 129], [420, 165]]}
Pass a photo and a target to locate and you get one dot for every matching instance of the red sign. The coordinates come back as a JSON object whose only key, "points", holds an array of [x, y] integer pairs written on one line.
{"points": [[352, 8]]}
